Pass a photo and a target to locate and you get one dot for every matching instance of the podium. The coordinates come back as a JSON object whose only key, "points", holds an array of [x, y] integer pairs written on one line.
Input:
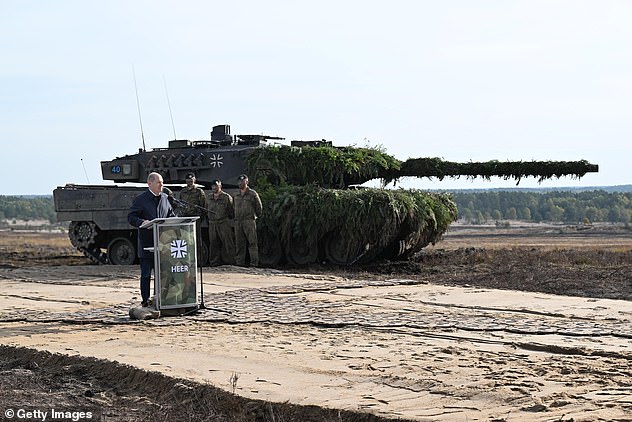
{"points": [[175, 262]]}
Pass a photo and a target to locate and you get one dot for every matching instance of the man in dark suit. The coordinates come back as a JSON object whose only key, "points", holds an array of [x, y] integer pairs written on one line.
{"points": [[153, 203]]}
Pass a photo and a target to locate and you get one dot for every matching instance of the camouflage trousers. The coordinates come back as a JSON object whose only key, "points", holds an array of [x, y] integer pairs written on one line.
{"points": [[246, 238], [221, 243]]}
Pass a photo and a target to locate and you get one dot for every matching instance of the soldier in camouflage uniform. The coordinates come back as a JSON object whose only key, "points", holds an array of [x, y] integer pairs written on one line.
{"points": [[193, 199], [192, 204], [220, 226], [247, 208]]}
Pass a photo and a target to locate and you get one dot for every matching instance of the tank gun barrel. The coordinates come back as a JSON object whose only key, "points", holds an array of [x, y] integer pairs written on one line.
{"points": [[517, 170], [340, 167]]}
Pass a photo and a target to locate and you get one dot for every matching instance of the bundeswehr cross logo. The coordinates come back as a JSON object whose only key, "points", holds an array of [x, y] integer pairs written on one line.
{"points": [[216, 160], [179, 248]]}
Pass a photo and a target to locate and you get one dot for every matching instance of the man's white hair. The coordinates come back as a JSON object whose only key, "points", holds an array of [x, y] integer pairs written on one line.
{"points": [[153, 176]]}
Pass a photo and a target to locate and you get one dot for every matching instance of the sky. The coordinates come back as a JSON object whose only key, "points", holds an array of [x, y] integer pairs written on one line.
{"points": [[460, 80]]}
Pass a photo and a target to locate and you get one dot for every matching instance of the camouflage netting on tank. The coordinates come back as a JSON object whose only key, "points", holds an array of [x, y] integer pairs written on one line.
{"points": [[352, 225], [324, 166]]}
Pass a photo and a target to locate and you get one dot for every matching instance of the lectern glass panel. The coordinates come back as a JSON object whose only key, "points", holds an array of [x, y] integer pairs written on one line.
{"points": [[177, 263]]}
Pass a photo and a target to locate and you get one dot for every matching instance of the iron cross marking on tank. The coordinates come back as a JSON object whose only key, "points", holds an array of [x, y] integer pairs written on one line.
{"points": [[216, 160]]}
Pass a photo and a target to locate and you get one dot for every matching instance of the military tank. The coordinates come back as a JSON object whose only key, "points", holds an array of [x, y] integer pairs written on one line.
{"points": [[314, 207]]}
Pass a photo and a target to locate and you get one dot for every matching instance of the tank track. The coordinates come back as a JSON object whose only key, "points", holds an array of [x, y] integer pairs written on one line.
{"points": [[95, 255], [82, 235]]}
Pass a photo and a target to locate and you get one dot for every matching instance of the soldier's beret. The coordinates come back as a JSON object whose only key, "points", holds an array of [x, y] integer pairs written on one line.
{"points": [[216, 182], [242, 177], [190, 175]]}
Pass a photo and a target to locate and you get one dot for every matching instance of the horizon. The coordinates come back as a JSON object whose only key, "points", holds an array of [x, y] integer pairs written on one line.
{"points": [[610, 189]]}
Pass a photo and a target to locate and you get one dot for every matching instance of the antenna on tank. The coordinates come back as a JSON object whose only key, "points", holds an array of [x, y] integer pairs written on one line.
{"points": [[169, 104], [142, 135], [84, 171]]}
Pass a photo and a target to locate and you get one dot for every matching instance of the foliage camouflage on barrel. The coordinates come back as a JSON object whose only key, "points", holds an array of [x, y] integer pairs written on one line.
{"points": [[341, 167], [517, 170]]}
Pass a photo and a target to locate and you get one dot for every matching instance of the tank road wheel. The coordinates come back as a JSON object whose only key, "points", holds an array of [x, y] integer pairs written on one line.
{"points": [[121, 251], [270, 251], [335, 249], [340, 250], [302, 251], [82, 233]]}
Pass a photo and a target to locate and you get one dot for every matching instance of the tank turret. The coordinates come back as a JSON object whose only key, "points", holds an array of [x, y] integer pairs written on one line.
{"points": [[225, 157], [313, 209], [222, 157]]}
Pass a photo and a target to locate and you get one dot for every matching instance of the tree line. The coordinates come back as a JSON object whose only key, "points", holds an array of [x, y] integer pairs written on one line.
{"points": [[27, 208], [475, 207], [550, 206]]}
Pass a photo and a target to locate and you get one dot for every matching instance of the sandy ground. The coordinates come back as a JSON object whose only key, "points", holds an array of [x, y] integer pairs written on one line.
{"points": [[400, 347]]}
